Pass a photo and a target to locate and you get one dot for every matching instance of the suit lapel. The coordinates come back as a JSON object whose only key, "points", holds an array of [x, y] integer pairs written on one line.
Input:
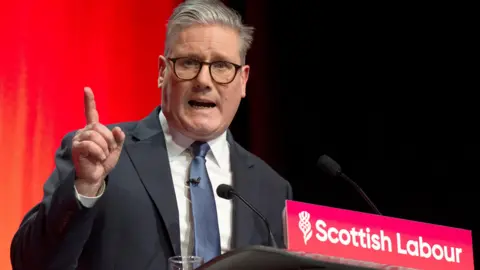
{"points": [[148, 153], [246, 185]]}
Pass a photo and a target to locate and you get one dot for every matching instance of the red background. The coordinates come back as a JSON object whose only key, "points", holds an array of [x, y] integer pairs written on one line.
{"points": [[49, 51]]}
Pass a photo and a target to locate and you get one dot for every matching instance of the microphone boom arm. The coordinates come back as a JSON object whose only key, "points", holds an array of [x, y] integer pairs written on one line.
{"points": [[272, 241], [362, 193]]}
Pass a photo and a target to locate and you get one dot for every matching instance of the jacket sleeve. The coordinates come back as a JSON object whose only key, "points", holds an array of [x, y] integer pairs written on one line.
{"points": [[52, 234]]}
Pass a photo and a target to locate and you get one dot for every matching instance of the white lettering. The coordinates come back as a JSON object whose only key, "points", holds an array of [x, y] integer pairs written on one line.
{"points": [[376, 242], [449, 256], [425, 250], [344, 236], [437, 252], [457, 254], [332, 232], [383, 239], [368, 238], [423, 246], [364, 238], [400, 250], [412, 248], [358, 238], [354, 234], [322, 234]]}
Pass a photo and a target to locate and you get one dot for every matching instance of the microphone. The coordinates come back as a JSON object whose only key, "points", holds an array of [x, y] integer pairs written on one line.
{"points": [[193, 181], [227, 192], [332, 168]]}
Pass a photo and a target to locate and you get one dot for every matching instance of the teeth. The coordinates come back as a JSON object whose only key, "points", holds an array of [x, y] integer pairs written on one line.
{"points": [[198, 104]]}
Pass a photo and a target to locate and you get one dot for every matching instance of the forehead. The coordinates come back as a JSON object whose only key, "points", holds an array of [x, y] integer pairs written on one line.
{"points": [[208, 42]]}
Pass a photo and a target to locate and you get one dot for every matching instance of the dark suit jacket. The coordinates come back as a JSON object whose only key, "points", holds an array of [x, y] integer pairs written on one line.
{"points": [[134, 225]]}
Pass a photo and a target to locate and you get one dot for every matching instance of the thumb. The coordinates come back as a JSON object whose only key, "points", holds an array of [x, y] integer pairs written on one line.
{"points": [[119, 136], [114, 156]]}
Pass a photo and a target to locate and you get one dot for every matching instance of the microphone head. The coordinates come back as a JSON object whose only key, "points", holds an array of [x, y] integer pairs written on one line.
{"points": [[328, 165], [225, 191]]}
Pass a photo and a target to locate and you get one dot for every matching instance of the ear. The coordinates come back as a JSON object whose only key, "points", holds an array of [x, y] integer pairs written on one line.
{"points": [[244, 73], [162, 70]]}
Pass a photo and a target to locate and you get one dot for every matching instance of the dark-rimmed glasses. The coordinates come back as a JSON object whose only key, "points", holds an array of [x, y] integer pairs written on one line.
{"points": [[186, 68]]}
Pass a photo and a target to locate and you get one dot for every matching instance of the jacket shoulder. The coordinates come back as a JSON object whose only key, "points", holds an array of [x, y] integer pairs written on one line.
{"points": [[263, 167]]}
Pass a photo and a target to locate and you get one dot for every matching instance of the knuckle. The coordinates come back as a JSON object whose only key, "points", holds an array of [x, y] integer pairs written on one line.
{"points": [[98, 128], [91, 145], [87, 127], [95, 126], [92, 135], [82, 145], [90, 127], [75, 144], [85, 135], [78, 134]]}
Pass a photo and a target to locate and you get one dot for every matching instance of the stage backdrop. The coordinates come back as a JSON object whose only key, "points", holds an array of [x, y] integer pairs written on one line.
{"points": [[49, 51]]}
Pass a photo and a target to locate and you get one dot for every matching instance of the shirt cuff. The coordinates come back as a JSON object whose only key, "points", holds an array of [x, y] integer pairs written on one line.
{"points": [[89, 202]]}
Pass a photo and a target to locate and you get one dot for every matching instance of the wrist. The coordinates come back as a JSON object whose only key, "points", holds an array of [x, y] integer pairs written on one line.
{"points": [[89, 189]]}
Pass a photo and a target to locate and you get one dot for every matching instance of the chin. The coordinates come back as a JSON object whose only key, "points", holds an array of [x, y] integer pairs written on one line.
{"points": [[204, 131]]}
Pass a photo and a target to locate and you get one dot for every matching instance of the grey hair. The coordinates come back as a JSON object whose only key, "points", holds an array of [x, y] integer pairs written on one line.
{"points": [[207, 12]]}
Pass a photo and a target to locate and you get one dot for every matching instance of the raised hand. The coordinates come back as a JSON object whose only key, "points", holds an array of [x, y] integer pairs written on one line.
{"points": [[95, 149]]}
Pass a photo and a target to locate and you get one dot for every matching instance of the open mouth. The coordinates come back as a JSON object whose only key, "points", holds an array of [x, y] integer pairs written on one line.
{"points": [[201, 104]]}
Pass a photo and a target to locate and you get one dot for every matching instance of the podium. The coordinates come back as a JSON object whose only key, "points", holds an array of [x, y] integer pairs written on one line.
{"points": [[261, 258], [320, 237]]}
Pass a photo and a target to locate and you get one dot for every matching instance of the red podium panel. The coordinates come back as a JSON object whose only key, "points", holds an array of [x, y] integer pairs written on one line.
{"points": [[344, 235]]}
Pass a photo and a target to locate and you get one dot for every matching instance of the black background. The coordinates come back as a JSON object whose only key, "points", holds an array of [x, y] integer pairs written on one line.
{"points": [[388, 91]]}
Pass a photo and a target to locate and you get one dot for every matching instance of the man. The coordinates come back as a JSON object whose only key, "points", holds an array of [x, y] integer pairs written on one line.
{"points": [[129, 196]]}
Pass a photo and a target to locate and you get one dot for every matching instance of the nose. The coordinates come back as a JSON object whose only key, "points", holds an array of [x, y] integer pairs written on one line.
{"points": [[204, 80]]}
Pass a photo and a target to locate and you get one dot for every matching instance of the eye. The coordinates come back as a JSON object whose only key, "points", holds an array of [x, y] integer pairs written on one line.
{"points": [[189, 63], [222, 65]]}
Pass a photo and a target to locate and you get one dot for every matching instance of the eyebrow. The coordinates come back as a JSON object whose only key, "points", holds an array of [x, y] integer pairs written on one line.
{"points": [[215, 57]]}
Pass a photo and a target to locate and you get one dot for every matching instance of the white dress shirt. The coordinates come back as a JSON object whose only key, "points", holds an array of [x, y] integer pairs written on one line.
{"points": [[180, 157]]}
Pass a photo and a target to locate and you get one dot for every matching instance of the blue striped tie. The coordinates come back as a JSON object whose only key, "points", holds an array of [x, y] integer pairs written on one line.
{"points": [[207, 236]]}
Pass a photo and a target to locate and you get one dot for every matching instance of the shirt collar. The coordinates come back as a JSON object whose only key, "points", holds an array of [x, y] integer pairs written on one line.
{"points": [[177, 143]]}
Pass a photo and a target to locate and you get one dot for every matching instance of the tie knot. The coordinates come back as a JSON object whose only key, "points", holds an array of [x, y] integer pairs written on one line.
{"points": [[200, 148]]}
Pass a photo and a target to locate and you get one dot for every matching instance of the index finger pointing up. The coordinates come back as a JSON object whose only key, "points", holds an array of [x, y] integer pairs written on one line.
{"points": [[91, 113]]}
